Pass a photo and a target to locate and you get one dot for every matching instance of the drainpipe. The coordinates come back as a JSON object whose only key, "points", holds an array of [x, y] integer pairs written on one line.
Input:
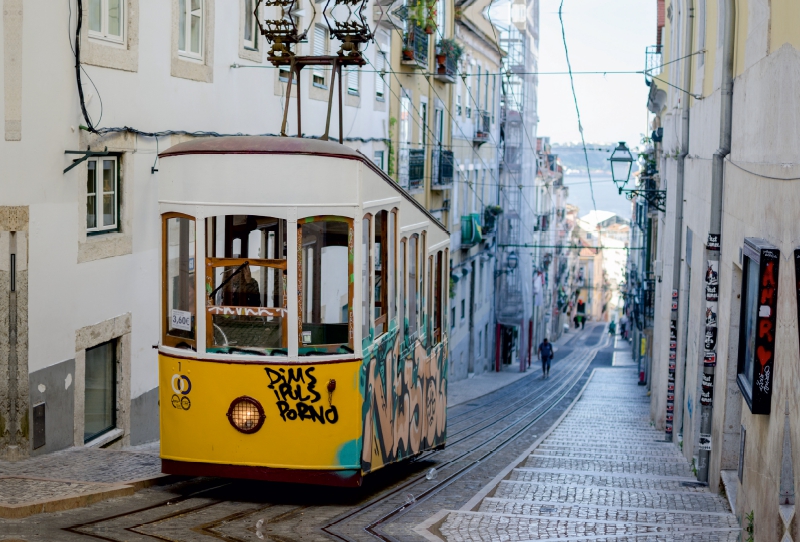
{"points": [[715, 230], [676, 256]]}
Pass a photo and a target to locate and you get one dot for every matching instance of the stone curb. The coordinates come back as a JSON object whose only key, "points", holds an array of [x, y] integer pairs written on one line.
{"points": [[104, 492]]}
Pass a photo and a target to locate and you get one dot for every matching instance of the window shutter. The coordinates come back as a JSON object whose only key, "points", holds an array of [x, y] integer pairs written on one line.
{"points": [[319, 41], [352, 80]]}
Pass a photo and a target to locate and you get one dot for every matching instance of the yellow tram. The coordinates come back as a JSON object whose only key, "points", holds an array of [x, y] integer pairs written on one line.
{"points": [[304, 295]]}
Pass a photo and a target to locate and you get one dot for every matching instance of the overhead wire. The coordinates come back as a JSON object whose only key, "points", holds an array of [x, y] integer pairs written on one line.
{"points": [[575, 99]]}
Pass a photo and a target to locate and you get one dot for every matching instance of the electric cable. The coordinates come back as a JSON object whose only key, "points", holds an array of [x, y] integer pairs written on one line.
{"points": [[575, 99]]}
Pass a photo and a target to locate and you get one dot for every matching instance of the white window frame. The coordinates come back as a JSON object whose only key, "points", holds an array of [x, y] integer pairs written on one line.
{"points": [[99, 227], [251, 22], [189, 13], [320, 48], [103, 34], [380, 82], [353, 75]]}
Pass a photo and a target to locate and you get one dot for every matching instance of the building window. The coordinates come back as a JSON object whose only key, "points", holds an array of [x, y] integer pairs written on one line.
{"points": [[251, 31], [452, 317], [423, 125], [102, 195], [107, 20], [190, 28], [352, 80], [318, 78], [378, 159], [380, 83], [458, 103], [325, 270], [100, 395], [245, 287], [463, 308]]}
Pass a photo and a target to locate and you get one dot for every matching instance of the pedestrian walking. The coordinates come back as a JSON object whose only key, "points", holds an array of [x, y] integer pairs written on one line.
{"points": [[623, 327], [545, 354], [583, 322], [612, 328]]}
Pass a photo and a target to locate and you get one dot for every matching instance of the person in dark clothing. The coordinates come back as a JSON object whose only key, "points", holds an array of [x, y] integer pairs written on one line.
{"points": [[545, 353], [577, 320], [583, 322]]}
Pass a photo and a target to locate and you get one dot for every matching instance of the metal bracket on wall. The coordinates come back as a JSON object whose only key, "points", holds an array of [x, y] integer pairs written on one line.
{"points": [[656, 198], [86, 155]]}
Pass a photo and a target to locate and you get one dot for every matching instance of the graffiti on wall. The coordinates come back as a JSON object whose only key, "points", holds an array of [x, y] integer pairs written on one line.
{"points": [[297, 396]]}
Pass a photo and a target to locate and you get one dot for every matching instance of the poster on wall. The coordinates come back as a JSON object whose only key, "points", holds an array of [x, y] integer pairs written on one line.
{"points": [[710, 339], [711, 313], [713, 241], [712, 280]]}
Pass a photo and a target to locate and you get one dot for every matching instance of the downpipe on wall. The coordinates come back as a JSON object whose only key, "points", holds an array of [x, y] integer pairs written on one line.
{"points": [[713, 243], [676, 255]]}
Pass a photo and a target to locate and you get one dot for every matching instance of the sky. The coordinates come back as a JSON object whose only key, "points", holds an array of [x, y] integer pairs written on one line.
{"points": [[601, 35]]}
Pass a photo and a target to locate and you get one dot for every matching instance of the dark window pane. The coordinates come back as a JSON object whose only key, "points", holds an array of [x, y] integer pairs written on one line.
{"points": [[100, 391]]}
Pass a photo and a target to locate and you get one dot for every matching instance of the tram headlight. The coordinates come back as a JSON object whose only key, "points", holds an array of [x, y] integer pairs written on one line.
{"points": [[246, 414]]}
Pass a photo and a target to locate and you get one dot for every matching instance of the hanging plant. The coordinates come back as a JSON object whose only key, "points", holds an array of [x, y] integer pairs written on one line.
{"points": [[449, 47]]}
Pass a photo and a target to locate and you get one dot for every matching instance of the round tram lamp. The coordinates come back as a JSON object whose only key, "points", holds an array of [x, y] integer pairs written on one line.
{"points": [[246, 415], [621, 164], [512, 261]]}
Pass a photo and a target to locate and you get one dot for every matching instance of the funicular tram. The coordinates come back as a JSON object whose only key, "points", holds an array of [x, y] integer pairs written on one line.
{"points": [[304, 295]]}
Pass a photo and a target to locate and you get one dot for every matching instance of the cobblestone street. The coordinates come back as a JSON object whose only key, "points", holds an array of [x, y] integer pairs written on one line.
{"points": [[601, 474]]}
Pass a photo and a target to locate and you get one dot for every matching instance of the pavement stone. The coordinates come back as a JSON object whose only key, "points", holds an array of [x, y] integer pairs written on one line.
{"points": [[604, 473]]}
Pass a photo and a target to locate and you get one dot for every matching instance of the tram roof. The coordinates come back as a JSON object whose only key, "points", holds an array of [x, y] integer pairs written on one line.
{"points": [[286, 145]]}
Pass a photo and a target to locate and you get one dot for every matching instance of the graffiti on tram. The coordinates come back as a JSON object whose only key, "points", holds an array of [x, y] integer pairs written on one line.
{"points": [[297, 396], [405, 400]]}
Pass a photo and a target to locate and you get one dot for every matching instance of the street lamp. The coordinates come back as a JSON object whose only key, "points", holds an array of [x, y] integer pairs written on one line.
{"points": [[512, 261], [621, 163]]}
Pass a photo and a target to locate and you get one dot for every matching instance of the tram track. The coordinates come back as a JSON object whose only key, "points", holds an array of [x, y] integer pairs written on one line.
{"points": [[557, 392], [524, 404]]}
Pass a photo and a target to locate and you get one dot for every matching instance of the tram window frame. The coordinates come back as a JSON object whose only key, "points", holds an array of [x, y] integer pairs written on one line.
{"points": [[380, 268], [436, 316], [326, 349], [423, 303], [392, 261], [366, 279], [413, 286], [227, 239], [401, 285], [167, 339]]}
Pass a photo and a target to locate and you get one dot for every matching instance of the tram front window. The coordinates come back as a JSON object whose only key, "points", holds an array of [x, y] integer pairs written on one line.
{"points": [[179, 281], [246, 285], [325, 298]]}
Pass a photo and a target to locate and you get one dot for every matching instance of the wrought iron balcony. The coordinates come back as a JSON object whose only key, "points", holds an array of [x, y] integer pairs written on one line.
{"points": [[445, 68], [416, 169], [483, 125], [442, 170], [415, 47]]}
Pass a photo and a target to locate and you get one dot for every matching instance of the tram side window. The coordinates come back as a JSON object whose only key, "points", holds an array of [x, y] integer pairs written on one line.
{"points": [[401, 283], [423, 293], [365, 277], [179, 281], [413, 312], [326, 295], [436, 313], [246, 285], [392, 257], [382, 266]]}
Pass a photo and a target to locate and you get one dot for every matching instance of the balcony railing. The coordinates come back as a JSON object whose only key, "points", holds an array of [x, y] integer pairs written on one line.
{"points": [[652, 62], [471, 230], [445, 68], [416, 169], [442, 170], [415, 47], [483, 124]]}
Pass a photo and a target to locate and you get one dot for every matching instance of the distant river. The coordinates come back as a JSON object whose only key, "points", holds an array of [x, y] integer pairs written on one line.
{"points": [[605, 195]]}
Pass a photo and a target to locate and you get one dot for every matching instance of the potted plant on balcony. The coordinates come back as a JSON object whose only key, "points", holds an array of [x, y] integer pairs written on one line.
{"points": [[448, 47], [490, 214], [430, 20]]}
